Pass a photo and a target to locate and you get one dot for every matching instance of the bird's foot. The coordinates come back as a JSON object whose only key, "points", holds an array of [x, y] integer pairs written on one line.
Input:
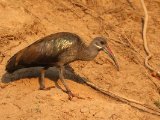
{"points": [[43, 88], [71, 95]]}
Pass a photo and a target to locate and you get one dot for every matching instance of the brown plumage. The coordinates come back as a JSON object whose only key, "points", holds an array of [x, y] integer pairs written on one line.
{"points": [[57, 50]]}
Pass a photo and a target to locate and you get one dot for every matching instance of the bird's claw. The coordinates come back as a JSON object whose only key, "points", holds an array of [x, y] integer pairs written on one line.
{"points": [[71, 95], [43, 88]]}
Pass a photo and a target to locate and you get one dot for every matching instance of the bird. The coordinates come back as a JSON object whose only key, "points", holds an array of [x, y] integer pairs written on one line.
{"points": [[58, 50]]}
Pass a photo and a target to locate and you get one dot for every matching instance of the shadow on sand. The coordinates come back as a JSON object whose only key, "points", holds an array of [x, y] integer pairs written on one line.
{"points": [[51, 73]]}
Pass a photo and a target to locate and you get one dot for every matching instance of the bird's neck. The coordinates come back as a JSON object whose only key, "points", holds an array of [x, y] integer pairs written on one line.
{"points": [[87, 53]]}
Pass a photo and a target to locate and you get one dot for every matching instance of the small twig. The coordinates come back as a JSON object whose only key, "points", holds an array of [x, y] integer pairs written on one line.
{"points": [[137, 105], [151, 79], [129, 2], [2, 57], [130, 45], [149, 54]]}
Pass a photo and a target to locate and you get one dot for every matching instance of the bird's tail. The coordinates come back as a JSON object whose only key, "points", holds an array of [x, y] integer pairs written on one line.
{"points": [[11, 64]]}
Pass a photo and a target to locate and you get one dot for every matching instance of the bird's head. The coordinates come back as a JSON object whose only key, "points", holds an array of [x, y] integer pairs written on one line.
{"points": [[100, 43]]}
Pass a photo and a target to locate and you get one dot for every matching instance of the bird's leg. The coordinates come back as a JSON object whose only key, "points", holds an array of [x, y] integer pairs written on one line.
{"points": [[41, 79], [61, 76], [68, 67]]}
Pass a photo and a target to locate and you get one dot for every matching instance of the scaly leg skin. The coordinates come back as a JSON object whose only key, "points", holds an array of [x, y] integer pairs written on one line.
{"points": [[61, 76], [41, 79]]}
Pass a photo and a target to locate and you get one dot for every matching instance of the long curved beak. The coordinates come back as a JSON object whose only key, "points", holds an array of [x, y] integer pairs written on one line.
{"points": [[108, 51]]}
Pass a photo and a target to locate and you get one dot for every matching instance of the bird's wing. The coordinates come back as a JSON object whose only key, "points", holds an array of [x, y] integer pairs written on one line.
{"points": [[43, 52]]}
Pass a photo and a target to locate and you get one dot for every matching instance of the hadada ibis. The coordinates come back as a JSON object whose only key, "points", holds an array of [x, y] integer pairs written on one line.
{"points": [[58, 50]]}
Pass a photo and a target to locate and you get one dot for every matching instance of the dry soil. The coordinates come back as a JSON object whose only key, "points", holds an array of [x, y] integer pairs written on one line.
{"points": [[24, 21]]}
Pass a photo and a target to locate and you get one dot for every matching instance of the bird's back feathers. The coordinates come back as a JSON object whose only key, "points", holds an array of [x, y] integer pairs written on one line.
{"points": [[43, 52]]}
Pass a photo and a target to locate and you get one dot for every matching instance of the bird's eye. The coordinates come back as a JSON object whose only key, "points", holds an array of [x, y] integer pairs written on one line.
{"points": [[102, 42]]}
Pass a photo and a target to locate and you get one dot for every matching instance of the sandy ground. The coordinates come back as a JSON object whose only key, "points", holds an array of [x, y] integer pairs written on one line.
{"points": [[24, 21]]}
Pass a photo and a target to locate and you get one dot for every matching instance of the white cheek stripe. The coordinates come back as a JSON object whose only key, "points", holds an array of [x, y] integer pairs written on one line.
{"points": [[99, 47]]}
